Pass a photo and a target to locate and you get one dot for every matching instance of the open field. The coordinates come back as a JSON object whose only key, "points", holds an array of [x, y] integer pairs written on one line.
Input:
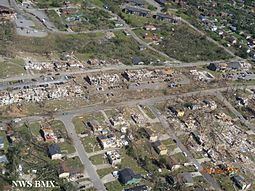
{"points": [[184, 44], [11, 68], [96, 45]]}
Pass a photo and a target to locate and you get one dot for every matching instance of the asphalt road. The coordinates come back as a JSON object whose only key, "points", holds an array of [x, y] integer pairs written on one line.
{"points": [[24, 25], [88, 166], [115, 67], [149, 101]]}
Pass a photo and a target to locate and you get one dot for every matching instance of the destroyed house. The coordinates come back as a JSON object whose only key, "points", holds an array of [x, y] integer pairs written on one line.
{"points": [[186, 178], [172, 163], [237, 65], [107, 141], [63, 171], [48, 134], [113, 157], [179, 112], [171, 180], [196, 137], [149, 134], [150, 27], [166, 17], [136, 11], [6, 13], [89, 80], [240, 182], [159, 148], [117, 120], [94, 125]]}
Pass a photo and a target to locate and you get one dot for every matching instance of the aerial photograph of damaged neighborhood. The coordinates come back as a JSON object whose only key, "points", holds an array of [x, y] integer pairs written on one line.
{"points": [[127, 95]]}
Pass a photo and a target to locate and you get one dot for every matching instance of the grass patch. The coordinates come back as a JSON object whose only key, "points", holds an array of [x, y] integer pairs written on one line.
{"points": [[53, 3], [80, 122], [137, 21], [224, 182], [12, 67], [102, 172], [127, 161], [148, 112], [185, 44], [98, 159], [115, 185], [74, 163], [6, 144], [180, 157], [56, 19], [35, 128], [90, 144], [67, 147], [96, 45]]}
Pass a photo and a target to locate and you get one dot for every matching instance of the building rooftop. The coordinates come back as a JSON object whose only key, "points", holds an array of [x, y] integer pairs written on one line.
{"points": [[53, 149], [127, 174]]}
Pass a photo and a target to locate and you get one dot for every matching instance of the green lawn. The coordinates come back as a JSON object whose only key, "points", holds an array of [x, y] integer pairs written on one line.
{"points": [[67, 147], [99, 3], [183, 43], [114, 186], [80, 122], [35, 128], [102, 172], [137, 21], [56, 19], [12, 67], [181, 158], [74, 163], [98, 159], [148, 112], [127, 161], [6, 144], [90, 144], [82, 19], [79, 125], [54, 3], [225, 182]]}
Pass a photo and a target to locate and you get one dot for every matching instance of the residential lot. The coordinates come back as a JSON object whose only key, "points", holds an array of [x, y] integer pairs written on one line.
{"points": [[127, 95], [81, 19], [177, 40], [40, 150], [132, 138], [231, 24], [221, 129]]}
